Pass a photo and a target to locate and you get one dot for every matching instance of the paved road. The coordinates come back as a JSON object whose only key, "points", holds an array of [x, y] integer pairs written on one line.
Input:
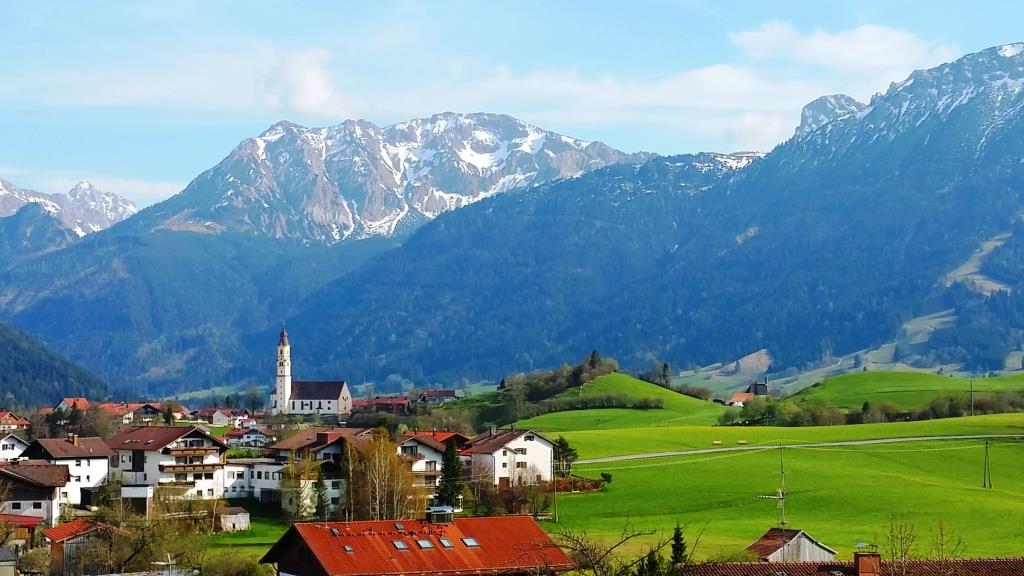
{"points": [[806, 445]]}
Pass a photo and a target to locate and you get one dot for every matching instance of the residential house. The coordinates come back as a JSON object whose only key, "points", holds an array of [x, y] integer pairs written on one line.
{"points": [[32, 488], [12, 446], [67, 543], [249, 437], [436, 396], [423, 455], [87, 459], [391, 404], [9, 422], [132, 412], [444, 436], [785, 545], [72, 403], [186, 462], [499, 546], [322, 445], [511, 457], [864, 564], [214, 416]]}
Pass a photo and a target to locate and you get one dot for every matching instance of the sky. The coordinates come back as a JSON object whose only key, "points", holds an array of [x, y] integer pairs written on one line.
{"points": [[140, 97]]}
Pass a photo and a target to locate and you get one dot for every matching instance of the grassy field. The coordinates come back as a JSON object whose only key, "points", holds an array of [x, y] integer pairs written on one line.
{"points": [[677, 409], [598, 443], [840, 495], [267, 524], [908, 390]]}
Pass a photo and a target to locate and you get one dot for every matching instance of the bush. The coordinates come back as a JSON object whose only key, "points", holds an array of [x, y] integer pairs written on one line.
{"points": [[606, 477], [235, 565], [36, 560]]}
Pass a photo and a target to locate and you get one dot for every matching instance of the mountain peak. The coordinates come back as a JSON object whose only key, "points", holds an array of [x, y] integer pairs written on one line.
{"points": [[824, 110], [1011, 50]]}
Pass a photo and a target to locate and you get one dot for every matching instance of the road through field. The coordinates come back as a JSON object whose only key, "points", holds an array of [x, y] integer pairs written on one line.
{"points": [[645, 455]]}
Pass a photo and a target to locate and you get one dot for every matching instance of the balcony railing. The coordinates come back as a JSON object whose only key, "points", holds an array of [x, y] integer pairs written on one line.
{"points": [[194, 451], [185, 468]]}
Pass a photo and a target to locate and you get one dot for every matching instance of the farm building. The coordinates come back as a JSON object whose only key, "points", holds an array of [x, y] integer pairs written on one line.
{"points": [[783, 545], [67, 543], [233, 519]]}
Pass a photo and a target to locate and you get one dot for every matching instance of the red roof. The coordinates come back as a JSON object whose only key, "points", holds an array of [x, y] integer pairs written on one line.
{"points": [[740, 397], [972, 566], [505, 545], [153, 438], [391, 400], [69, 530], [122, 408], [441, 436], [11, 418], [19, 520], [314, 438], [76, 402]]}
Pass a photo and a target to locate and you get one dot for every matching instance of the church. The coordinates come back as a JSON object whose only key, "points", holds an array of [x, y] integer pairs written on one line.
{"points": [[326, 398]]}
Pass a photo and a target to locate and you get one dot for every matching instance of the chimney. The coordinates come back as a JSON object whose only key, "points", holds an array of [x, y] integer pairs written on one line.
{"points": [[867, 563], [321, 437], [73, 438], [494, 430]]}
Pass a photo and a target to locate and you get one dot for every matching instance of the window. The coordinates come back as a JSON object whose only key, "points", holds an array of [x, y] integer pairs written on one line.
{"points": [[76, 478], [520, 450], [209, 492], [335, 501], [336, 484], [409, 451], [400, 545], [529, 437], [88, 478], [520, 464], [504, 452], [208, 476], [471, 542], [15, 505], [446, 543], [504, 464], [425, 544], [259, 475], [37, 505], [78, 462]]}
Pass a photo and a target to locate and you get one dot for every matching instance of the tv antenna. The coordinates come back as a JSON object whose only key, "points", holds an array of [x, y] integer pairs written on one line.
{"points": [[780, 493]]}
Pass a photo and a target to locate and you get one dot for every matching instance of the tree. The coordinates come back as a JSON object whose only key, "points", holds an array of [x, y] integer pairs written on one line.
{"points": [[595, 359], [452, 482], [96, 422], [900, 541], [253, 398], [323, 503], [946, 544], [382, 486], [678, 546], [564, 456], [295, 477], [665, 375], [599, 558]]}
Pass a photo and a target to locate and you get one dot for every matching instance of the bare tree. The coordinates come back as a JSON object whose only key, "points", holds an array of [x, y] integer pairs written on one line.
{"points": [[382, 485], [900, 541], [596, 558]]}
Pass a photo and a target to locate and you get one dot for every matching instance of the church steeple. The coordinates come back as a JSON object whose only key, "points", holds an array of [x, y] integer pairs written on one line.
{"points": [[283, 383], [283, 338]]}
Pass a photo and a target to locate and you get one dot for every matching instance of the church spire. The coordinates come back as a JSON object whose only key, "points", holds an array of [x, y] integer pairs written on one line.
{"points": [[283, 338]]}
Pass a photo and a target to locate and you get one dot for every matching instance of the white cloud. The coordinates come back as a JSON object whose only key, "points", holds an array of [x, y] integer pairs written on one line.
{"points": [[303, 83]]}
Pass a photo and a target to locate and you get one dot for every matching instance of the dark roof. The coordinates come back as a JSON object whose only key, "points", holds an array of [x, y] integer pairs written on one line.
{"points": [[425, 440], [53, 448], [317, 389], [775, 538], [37, 473], [314, 438], [960, 567], [282, 338], [758, 388], [504, 545], [439, 393], [154, 437], [490, 441], [8, 554]]}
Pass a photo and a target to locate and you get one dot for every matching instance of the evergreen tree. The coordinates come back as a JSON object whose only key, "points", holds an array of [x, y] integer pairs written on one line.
{"points": [[323, 504], [565, 455], [451, 477], [678, 546], [595, 359]]}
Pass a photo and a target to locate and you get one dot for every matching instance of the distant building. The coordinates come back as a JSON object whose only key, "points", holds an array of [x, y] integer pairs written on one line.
{"points": [[249, 437], [325, 398], [87, 460], [11, 447], [498, 546], [33, 489], [391, 404], [72, 403], [511, 457], [232, 519], [131, 412], [756, 389], [784, 545], [439, 396], [9, 422]]}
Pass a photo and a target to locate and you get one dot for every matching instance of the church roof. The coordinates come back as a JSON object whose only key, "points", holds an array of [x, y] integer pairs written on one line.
{"points": [[282, 339], [317, 389]]}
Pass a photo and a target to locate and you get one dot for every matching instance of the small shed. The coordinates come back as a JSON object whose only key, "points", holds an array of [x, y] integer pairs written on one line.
{"points": [[8, 561], [232, 519], [785, 545]]}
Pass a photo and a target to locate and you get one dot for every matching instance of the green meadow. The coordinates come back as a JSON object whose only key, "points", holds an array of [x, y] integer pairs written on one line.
{"points": [[907, 390]]}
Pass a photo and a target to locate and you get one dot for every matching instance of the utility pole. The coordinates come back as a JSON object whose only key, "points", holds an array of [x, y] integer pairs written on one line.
{"points": [[986, 481], [554, 487], [972, 397]]}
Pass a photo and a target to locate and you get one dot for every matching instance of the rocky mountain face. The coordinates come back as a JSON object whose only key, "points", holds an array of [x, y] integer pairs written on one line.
{"points": [[355, 179], [825, 110], [32, 230], [825, 246], [83, 209]]}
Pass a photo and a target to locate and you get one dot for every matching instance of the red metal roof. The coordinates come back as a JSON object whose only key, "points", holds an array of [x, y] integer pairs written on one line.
{"points": [[69, 530], [20, 520], [506, 545]]}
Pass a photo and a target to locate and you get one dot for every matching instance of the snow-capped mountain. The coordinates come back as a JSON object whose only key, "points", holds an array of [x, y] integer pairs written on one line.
{"points": [[356, 179], [824, 110], [83, 209]]}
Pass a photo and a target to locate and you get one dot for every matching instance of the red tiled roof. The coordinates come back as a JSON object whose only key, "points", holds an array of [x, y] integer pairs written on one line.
{"points": [[391, 400], [961, 567], [360, 403], [425, 440], [122, 408], [310, 439], [11, 418], [442, 436], [64, 448], [20, 520], [507, 545], [69, 530], [37, 472], [153, 437], [77, 402], [741, 397]]}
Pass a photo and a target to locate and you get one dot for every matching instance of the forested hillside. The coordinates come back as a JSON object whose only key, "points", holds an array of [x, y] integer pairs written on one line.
{"points": [[32, 375]]}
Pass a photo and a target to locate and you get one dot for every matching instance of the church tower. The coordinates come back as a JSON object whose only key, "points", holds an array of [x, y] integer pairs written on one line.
{"points": [[283, 383]]}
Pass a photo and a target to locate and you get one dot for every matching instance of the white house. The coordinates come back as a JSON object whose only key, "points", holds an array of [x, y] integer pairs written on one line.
{"points": [[87, 460], [785, 545], [150, 457], [326, 398], [511, 457], [249, 437], [12, 447], [424, 456], [32, 488]]}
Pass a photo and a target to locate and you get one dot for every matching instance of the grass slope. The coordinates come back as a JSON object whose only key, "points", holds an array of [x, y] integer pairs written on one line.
{"points": [[908, 390], [600, 443], [677, 409], [841, 496]]}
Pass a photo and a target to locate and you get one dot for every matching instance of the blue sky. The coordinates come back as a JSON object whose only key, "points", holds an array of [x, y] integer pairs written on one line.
{"points": [[140, 97]]}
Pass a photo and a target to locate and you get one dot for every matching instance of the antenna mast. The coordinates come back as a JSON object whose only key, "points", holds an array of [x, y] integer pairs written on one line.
{"points": [[780, 494]]}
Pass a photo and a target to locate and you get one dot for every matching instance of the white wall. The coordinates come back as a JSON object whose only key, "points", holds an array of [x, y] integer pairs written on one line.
{"points": [[12, 447], [521, 461], [85, 473], [49, 510], [429, 465]]}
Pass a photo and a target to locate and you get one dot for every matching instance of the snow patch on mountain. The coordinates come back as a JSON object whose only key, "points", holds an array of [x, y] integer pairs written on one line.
{"points": [[1011, 50], [83, 209]]}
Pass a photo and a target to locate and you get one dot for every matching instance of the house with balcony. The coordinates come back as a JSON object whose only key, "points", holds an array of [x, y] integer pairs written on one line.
{"points": [[122, 413], [510, 457], [249, 437], [184, 462], [423, 456], [87, 459], [32, 488], [9, 422]]}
